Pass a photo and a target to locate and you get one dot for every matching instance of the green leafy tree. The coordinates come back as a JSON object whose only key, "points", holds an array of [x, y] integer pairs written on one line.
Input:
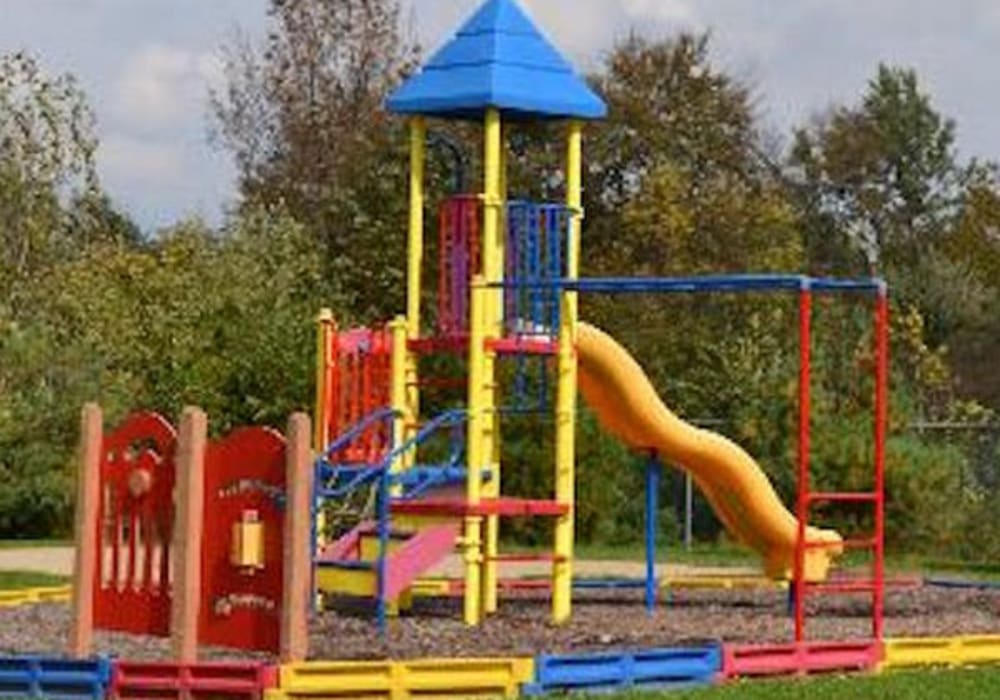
{"points": [[302, 116]]}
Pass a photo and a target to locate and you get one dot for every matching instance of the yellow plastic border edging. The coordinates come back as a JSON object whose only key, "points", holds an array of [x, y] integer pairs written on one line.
{"points": [[33, 596], [712, 582], [941, 651], [402, 680]]}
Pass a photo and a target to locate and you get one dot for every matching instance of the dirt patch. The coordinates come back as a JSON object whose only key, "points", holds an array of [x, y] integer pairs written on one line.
{"points": [[601, 620]]}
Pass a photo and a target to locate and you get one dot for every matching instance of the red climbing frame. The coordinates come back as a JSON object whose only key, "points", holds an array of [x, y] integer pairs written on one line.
{"points": [[459, 250], [358, 373], [134, 527], [807, 498], [244, 482]]}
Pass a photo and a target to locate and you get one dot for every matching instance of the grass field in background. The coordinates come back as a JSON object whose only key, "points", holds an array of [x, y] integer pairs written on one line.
{"points": [[16, 580]]}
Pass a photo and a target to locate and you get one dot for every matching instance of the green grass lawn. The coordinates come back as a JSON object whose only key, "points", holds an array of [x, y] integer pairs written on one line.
{"points": [[966, 684], [15, 580]]}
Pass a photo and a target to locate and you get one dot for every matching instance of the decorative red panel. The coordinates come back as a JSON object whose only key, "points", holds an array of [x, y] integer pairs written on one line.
{"points": [[244, 483], [134, 527]]}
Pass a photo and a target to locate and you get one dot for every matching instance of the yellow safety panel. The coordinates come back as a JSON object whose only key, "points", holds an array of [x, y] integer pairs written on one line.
{"points": [[401, 680], [430, 588], [941, 651], [31, 596], [358, 582]]}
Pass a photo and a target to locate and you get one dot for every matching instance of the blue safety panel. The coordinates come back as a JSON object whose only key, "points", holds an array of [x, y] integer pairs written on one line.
{"points": [[498, 59], [646, 668], [53, 678]]}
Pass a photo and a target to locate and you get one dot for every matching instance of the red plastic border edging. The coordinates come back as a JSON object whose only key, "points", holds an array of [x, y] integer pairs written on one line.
{"points": [[135, 680], [741, 661]]}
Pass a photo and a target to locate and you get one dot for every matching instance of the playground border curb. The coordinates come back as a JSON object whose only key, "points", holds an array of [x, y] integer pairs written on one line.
{"points": [[400, 680], [912, 652], [37, 676], [654, 668], [135, 680], [33, 596], [758, 660]]}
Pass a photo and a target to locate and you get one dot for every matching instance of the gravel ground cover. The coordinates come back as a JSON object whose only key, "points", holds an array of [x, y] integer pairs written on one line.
{"points": [[601, 620]]}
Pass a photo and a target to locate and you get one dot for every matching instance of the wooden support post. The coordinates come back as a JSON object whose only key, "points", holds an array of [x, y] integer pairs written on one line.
{"points": [[190, 487], [296, 589], [88, 479]]}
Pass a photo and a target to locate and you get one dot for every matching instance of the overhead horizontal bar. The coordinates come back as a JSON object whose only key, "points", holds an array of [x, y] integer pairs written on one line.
{"points": [[704, 283]]}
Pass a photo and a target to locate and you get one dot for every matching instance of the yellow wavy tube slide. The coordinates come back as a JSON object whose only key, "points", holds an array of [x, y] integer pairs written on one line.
{"points": [[625, 401]]}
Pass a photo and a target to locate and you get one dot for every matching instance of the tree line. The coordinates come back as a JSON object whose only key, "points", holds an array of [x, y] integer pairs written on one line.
{"points": [[683, 178]]}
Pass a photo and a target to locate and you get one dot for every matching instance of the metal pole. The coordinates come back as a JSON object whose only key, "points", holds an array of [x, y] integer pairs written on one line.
{"points": [[881, 420], [652, 494], [805, 358], [688, 510]]}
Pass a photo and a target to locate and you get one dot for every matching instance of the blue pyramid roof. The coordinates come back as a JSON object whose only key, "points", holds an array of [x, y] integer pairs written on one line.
{"points": [[498, 59]]}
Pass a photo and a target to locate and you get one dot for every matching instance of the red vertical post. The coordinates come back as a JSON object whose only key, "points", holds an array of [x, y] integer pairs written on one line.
{"points": [[802, 510], [881, 425]]}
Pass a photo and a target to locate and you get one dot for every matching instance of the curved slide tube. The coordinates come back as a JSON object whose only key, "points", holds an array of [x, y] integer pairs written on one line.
{"points": [[626, 403]]}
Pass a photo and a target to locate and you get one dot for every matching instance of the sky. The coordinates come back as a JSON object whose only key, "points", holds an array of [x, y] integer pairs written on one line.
{"points": [[148, 65]]}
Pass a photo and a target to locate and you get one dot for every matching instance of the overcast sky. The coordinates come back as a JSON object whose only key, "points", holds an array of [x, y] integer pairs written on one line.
{"points": [[147, 66]]}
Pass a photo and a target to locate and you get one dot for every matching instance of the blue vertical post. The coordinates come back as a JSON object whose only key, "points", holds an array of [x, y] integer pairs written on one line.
{"points": [[383, 548], [652, 498]]}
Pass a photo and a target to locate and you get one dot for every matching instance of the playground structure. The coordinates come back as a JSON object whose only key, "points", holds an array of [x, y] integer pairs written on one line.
{"points": [[508, 291], [224, 543]]}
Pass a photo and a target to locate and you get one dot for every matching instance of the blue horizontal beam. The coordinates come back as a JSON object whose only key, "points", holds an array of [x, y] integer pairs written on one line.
{"points": [[705, 283]]}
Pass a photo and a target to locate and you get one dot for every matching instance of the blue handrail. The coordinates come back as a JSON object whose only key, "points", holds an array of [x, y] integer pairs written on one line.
{"points": [[446, 419], [355, 431]]}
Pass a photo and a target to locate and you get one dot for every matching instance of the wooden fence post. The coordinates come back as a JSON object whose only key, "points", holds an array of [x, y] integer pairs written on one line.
{"points": [[189, 522], [88, 478], [297, 551]]}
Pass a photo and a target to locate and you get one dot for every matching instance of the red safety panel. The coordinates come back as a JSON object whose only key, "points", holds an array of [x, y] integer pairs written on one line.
{"points": [[460, 259], [359, 373], [244, 474], [134, 527]]}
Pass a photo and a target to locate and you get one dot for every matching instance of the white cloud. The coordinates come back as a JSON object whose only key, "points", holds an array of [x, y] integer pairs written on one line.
{"points": [[163, 85], [667, 11], [135, 161]]}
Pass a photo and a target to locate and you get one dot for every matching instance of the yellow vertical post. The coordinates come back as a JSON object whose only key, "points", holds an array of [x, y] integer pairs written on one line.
{"points": [[475, 451], [414, 269], [326, 329], [562, 568], [483, 311], [496, 313], [397, 394]]}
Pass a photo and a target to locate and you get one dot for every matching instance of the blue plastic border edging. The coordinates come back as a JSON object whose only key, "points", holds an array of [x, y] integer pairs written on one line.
{"points": [[53, 678], [644, 668]]}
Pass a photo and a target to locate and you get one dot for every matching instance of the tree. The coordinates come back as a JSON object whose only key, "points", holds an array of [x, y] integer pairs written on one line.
{"points": [[884, 172], [303, 118], [47, 149]]}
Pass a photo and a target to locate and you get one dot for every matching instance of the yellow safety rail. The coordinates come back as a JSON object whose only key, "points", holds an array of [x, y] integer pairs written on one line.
{"points": [[401, 680], [33, 596], [725, 583], [941, 651]]}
